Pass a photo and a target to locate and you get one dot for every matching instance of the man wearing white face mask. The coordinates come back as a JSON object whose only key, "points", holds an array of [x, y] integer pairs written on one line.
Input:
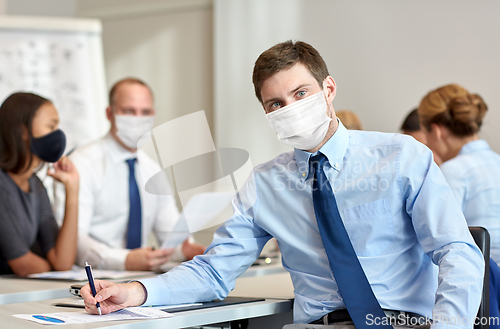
{"points": [[361, 219], [116, 214]]}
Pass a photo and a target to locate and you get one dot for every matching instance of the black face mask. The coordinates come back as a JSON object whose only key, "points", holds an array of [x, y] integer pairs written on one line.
{"points": [[50, 147]]}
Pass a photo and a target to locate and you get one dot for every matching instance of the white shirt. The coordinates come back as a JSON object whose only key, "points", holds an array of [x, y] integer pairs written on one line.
{"points": [[104, 203]]}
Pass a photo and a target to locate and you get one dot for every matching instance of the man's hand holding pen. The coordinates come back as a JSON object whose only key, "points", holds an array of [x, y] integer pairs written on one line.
{"points": [[113, 296]]}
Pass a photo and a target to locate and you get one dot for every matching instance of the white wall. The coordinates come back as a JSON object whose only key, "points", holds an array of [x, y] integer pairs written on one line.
{"points": [[171, 52], [166, 43], [40, 7], [384, 55], [3, 7]]}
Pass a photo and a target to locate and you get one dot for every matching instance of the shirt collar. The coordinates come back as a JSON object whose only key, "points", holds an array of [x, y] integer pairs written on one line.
{"points": [[115, 151], [334, 150], [474, 146]]}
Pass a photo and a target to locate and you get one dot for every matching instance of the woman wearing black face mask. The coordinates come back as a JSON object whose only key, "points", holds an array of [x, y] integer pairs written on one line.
{"points": [[30, 240]]}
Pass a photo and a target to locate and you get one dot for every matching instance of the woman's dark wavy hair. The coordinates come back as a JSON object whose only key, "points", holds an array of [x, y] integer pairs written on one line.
{"points": [[16, 114]]}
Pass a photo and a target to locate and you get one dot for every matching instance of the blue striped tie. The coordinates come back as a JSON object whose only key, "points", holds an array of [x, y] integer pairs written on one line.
{"points": [[351, 279], [134, 219]]}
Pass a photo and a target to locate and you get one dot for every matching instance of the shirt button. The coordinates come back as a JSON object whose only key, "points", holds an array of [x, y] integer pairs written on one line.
{"points": [[336, 165]]}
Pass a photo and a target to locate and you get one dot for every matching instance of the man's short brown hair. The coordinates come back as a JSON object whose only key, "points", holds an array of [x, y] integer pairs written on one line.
{"points": [[113, 90], [282, 57]]}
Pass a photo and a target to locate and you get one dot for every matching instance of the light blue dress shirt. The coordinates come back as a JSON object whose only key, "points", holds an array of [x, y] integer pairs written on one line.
{"points": [[398, 210], [474, 177]]}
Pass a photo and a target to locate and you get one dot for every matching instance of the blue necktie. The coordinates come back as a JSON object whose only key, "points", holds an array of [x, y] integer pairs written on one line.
{"points": [[351, 279], [134, 219]]}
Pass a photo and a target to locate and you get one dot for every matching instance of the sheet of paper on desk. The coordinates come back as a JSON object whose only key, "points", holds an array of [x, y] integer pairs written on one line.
{"points": [[131, 313], [199, 212], [80, 275]]}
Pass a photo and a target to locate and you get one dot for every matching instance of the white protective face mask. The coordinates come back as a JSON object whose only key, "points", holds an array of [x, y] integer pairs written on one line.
{"points": [[131, 128], [302, 124]]}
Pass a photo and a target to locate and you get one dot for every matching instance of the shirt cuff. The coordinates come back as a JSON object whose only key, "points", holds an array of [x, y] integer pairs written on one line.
{"points": [[115, 259], [178, 255], [156, 292]]}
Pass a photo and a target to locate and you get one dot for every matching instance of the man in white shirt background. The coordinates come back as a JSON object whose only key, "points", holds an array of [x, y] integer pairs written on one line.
{"points": [[116, 214]]}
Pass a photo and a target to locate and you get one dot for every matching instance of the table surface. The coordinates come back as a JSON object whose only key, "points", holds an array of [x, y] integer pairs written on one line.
{"points": [[276, 288], [19, 290], [13, 290]]}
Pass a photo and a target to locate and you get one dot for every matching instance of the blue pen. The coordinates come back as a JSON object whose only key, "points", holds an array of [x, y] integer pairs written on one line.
{"points": [[88, 269]]}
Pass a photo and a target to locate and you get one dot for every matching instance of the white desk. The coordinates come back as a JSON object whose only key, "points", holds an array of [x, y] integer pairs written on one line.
{"points": [[263, 286], [13, 290], [17, 290], [179, 320]]}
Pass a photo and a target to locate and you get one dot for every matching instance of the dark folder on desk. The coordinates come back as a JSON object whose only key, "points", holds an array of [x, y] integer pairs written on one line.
{"points": [[225, 302]]}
